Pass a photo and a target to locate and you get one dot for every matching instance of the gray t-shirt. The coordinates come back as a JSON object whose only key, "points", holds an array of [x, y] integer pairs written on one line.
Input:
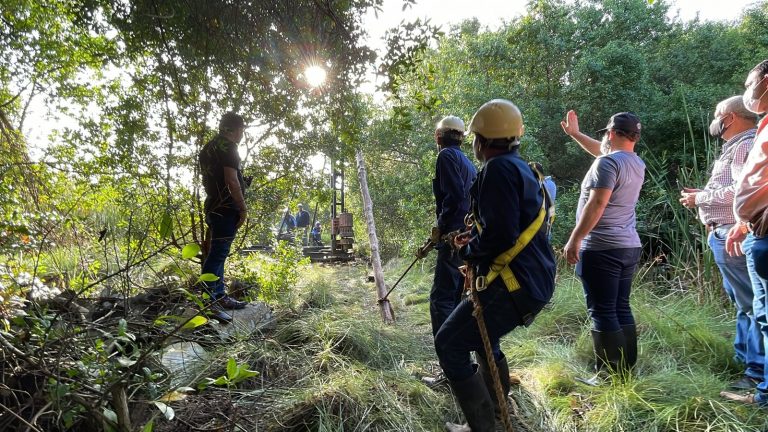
{"points": [[622, 172]]}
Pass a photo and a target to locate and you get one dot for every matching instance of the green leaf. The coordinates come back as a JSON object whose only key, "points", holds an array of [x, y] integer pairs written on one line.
{"points": [[122, 326], [190, 251], [166, 226], [232, 368], [195, 322], [165, 409], [244, 373], [163, 319], [149, 426], [207, 277]]}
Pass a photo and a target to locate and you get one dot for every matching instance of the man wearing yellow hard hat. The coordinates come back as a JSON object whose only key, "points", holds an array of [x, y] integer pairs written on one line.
{"points": [[509, 253]]}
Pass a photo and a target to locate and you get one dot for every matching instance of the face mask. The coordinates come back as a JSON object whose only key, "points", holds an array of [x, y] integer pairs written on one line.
{"points": [[717, 127], [751, 103], [605, 145]]}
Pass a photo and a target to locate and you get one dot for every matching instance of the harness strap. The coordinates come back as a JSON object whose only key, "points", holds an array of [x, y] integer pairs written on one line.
{"points": [[500, 265]]}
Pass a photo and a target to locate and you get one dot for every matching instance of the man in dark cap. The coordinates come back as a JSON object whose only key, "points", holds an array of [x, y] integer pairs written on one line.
{"points": [[225, 209], [604, 245]]}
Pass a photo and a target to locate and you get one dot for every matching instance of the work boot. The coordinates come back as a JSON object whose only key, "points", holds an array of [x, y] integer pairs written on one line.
{"points": [[609, 348], [475, 403], [435, 382], [630, 349], [227, 302], [503, 367], [215, 311]]}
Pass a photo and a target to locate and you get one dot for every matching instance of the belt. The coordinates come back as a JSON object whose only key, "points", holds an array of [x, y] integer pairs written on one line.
{"points": [[714, 225]]}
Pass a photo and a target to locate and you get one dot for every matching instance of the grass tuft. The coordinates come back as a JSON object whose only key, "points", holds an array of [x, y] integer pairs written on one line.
{"points": [[333, 366]]}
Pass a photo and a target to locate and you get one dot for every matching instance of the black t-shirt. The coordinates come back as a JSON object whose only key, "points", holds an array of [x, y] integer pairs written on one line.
{"points": [[217, 154]]}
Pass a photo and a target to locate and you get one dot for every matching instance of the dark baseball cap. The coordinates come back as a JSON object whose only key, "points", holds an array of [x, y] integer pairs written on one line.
{"points": [[625, 121], [231, 121]]}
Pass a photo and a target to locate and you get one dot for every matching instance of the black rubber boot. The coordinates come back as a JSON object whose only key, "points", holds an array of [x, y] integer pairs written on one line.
{"points": [[609, 348], [475, 402], [630, 352], [503, 367]]}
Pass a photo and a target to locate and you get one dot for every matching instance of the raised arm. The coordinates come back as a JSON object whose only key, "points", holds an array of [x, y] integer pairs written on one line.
{"points": [[571, 127]]}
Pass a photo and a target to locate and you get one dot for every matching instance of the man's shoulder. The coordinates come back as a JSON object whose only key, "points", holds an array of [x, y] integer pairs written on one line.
{"points": [[219, 144], [215, 145], [746, 139], [452, 153], [505, 164], [619, 158]]}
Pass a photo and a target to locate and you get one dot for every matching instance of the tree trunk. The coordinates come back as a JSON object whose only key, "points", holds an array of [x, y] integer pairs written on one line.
{"points": [[387, 314]]}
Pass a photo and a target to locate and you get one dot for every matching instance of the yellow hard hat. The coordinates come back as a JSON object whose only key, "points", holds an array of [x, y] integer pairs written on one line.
{"points": [[450, 123], [498, 118]]}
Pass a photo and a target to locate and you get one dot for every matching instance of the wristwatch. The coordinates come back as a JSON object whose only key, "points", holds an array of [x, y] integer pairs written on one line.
{"points": [[743, 228]]}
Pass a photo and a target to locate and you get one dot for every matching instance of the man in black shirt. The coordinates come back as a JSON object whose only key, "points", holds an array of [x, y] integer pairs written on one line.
{"points": [[225, 209]]}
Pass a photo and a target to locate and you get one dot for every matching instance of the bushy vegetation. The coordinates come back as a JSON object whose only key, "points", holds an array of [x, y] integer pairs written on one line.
{"points": [[100, 231], [596, 57]]}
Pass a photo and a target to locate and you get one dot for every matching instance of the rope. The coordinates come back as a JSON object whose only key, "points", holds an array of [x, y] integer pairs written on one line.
{"points": [[501, 398]]}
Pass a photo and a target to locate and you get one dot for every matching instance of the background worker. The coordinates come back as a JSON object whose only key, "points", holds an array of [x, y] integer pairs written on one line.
{"points": [[508, 207], [316, 232], [736, 126], [454, 174], [288, 221], [302, 223], [225, 209], [604, 244]]}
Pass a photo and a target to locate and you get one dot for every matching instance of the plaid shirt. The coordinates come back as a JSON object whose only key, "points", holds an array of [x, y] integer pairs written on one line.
{"points": [[715, 201]]}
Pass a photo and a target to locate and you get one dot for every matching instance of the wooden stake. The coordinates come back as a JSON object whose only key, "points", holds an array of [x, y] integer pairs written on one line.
{"points": [[387, 314]]}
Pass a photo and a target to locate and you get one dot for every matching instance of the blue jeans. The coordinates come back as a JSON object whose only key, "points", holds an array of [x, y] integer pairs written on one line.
{"points": [[748, 342], [446, 288], [459, 334], [756, 250], [223, 227], [607, 279]]}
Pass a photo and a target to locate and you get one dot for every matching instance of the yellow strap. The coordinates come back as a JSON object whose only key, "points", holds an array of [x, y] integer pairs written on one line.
{"points": [[500, 263]]}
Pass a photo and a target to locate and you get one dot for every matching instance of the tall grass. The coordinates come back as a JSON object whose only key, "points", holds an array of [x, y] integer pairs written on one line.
{"points": [[685, 360], [674, 238], [332, 365]]}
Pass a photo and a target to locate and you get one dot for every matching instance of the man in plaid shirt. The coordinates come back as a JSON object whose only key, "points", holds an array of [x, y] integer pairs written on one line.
{"points": [[736, 126]]}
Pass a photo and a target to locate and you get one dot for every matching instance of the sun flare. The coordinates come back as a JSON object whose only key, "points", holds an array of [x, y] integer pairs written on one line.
{"points": [[315, 75]]}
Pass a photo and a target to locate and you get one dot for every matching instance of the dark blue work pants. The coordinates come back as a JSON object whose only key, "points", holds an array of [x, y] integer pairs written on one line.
{"points": [[459, 335], [447, 287], [607, 279], [223, 227]]}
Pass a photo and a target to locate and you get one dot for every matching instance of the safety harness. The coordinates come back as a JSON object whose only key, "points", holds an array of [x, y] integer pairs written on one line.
{"points": [[500, 264]]}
